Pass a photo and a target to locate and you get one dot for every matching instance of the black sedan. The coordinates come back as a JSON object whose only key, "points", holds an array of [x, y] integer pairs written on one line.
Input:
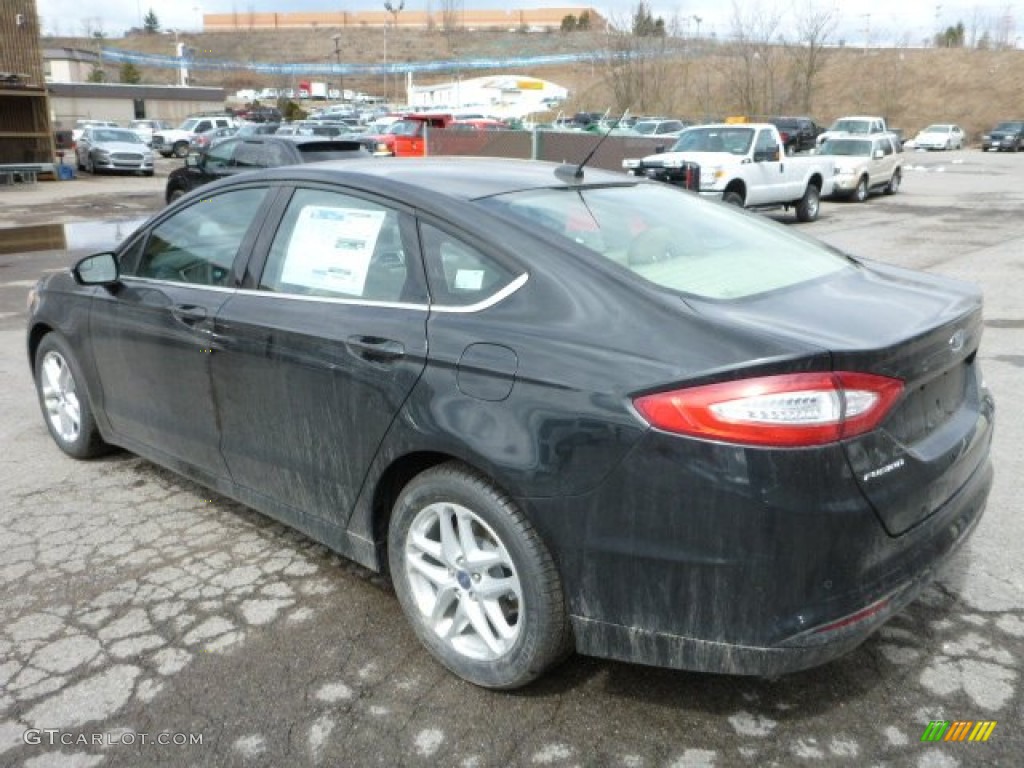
{"points": [[227, 157], [564, 410]]}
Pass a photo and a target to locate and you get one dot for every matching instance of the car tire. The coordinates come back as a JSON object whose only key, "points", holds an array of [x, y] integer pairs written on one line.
{"points": [[894, 183], [732, 197], [90, 166], [860, 194], [174, 194], [64, 400], [454, 538], [147, 173], [810, 204], [180, 149]]}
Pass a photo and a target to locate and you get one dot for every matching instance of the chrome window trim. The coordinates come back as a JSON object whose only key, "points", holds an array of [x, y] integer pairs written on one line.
{"points": [[182, 283], [490, 301], [333, 300]]}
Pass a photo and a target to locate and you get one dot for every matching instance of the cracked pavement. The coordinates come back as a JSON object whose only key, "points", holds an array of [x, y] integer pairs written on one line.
{"points": [[133, 601]]}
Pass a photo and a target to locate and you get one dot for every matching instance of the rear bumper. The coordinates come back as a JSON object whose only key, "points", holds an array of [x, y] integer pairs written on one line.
{"points": [[752, 579]]}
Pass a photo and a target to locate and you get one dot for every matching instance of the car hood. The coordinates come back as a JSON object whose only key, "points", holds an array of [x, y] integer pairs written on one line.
{"points": [[704, 159], [122, 146], [848, 163]]}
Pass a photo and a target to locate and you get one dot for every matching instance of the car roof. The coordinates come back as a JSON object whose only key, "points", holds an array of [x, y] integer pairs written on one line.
{"points": [[464, 178]]}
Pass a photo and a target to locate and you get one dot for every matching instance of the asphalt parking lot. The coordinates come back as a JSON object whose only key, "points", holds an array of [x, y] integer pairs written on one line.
{"points": [[137, 608]]}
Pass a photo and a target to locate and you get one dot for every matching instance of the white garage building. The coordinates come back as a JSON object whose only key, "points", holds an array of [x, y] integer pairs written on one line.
{"points": [[501, 96]]}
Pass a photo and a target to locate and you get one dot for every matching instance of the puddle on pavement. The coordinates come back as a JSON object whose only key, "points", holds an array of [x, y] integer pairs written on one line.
{"points": [[92, 236]]}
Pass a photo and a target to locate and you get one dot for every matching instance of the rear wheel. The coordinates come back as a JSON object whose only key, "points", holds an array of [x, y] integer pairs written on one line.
{"points": [[180, 148], [860, 194], [731, 197], [65, 401], [174, 194], [810, 204], [894, 183], [475, 580]]}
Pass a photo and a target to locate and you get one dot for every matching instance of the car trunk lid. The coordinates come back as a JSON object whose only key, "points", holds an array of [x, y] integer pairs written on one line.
{"points": [[922, 330]]}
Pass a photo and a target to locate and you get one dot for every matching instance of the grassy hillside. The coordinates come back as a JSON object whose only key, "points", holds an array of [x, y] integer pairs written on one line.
{"points": [[911, 87]]}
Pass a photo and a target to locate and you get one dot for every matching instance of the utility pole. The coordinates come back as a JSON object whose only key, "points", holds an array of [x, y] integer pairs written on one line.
{"points": [[337, 60]]}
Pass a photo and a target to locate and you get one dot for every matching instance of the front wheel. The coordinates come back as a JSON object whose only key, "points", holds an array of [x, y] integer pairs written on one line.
{"points": [[65, 401], [475, 580], [810, 204], [860, 194], [894, 183]]}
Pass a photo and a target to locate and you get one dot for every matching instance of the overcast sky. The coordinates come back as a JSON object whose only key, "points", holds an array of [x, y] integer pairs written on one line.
{"points": [[882, 22]]}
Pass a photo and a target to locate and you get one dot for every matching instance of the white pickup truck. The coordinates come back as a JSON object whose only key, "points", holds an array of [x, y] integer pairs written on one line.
{"points": [[744, 164]]}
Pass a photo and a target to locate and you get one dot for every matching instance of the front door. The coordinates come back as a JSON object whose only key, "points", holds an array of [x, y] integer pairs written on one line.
{"points": [[153, 334]]}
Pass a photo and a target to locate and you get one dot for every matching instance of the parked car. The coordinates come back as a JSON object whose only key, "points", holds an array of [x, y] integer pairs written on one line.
{"points": [[81, 125], [865, 164], [768, 454], [177, 141], [145, 129], [799, 134], [113, 149], [1006, 136], [260, 114], [243, 154], [656, 128], [856, 125], [214, 136], [939, 136]]}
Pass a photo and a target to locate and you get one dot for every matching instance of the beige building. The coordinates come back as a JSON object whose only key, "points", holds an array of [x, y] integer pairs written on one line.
{"points": [[69, 65], [122, 102], [533, 19]]}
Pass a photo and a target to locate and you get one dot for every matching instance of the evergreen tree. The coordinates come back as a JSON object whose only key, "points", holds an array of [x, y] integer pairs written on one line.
{"points": [[130, 73], [151, 23]]}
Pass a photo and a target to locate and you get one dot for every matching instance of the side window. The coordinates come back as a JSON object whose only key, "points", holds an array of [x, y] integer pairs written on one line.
{"points": [[220, 156], [765, 142], [458, 273], [339, 246], [886, 147], [198, 245], [204, 125]]}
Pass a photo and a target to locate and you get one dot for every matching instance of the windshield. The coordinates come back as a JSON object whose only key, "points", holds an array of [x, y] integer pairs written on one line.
{"points": [[674, 239], [851, 126], [1009, 126], [719, 139], [189, 124], [847, 147], [128, 137], [407, 128], [936, 129]]}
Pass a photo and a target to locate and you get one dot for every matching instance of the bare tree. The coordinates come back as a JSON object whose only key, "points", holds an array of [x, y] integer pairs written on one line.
{"points": [[644, 71], [815, 25], [756, 60]]}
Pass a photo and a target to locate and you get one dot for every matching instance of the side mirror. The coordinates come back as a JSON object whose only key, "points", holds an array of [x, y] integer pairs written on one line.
{"points": [[98, 269], [193, 161], [879, 154]]}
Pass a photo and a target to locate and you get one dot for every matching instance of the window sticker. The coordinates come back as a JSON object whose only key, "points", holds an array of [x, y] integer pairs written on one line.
{"points": [[330, 248], [469, 279]]}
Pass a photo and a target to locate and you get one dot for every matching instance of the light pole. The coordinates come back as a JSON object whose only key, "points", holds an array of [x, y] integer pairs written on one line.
{"points": [[697, 20], [337, 59], [394, 10]]}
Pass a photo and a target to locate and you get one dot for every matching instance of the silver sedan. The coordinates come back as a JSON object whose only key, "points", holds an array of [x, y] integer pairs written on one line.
{"points": [[113, 149]]}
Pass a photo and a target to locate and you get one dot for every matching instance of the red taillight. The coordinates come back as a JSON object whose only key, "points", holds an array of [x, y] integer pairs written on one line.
{"points": [[798, 409]]}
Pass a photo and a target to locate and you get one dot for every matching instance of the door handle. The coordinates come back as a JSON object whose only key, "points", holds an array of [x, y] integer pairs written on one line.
{"points": [[191, 315], [375, 348]]}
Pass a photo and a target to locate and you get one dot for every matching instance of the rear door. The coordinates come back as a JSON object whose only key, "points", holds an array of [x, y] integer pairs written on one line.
{"points": [[320, 349]]}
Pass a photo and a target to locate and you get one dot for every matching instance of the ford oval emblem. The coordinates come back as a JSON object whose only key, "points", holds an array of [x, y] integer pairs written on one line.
{"points": [[956, 341]]}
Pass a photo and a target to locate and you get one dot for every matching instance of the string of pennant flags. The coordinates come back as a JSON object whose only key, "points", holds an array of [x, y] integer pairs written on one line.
{"points": [[117, 56]]}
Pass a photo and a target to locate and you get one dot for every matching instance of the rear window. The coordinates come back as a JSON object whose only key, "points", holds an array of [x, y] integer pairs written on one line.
{"points": [[674, 239]]}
